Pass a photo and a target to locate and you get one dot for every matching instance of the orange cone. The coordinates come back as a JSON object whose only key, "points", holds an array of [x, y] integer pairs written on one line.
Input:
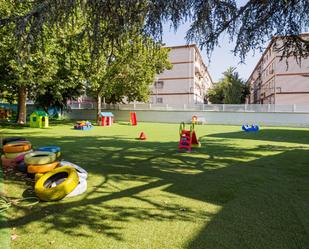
{"points": [[142, 136]]}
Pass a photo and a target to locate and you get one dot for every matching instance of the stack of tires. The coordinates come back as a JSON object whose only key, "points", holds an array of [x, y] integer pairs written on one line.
{"points": [[14, 151], [40, 162], [54, 179]]}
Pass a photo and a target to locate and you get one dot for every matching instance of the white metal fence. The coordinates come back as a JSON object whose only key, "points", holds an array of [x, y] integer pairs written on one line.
{"points": [[197, 107]]}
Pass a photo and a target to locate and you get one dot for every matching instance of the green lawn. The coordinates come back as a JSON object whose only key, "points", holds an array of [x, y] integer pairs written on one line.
{"points": [[239, 190]]}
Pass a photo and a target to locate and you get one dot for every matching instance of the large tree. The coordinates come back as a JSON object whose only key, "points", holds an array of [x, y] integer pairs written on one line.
{"points": [[125, 73], [117, 69], [249, 25], [47, 73], [67, 82], [23, 71], [20, 76]]}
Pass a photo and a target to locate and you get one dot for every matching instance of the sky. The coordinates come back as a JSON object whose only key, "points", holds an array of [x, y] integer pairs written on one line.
{"points": [[221, 58]]}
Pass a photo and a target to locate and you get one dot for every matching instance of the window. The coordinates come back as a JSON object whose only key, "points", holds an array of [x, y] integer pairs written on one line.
{"points": [[159, 84], [159, 100]]}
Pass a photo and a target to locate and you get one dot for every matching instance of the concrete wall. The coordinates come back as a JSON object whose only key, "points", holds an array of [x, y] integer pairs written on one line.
{"points": [[226, 118]]}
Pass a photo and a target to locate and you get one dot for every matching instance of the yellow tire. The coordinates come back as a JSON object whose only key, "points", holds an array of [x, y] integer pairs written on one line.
{"points": [[37, 176], [41, 168], [16, 154], [45, 189], [17, 147], [40, 157]]}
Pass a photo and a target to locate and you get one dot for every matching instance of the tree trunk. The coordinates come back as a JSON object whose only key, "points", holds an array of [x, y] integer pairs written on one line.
{"points": [[22, 109], [99, 106]]}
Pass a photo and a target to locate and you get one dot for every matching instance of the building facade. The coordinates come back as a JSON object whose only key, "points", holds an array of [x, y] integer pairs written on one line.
{"points": [[277, 80], [186, 83]]}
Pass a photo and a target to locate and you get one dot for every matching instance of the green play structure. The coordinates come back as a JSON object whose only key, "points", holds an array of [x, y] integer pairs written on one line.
{"points": [[39, 119]]}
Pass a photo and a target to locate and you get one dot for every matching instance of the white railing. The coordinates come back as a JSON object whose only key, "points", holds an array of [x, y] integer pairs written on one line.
{"points": [[197, 107], [82, 105]]}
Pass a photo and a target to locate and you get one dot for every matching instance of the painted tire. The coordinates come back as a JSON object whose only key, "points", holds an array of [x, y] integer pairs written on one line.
{"points": [[7, 163], [46, 192], [13, 139], [80, 188], [41, 168], [80, 171], [40, 157], [15, 155], [22, 167], [16, 147], [21, 157], [37, 176], [50, 149], [55, 149]]}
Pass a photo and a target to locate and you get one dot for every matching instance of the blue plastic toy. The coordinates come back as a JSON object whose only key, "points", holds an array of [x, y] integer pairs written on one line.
{"points": [[248, 128], [83, 125]]}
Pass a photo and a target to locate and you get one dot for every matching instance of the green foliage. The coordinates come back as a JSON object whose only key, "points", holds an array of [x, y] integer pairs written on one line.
{"points": [[132, 72], [58, 69], [215, 94], [23, 72], [230, 90], [49, 72], [126, 73], [67, 83], [249, 25]]}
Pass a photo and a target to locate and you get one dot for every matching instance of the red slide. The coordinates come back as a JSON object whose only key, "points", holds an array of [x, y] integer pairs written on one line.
{"points": [[185, 140], [188, 139]]}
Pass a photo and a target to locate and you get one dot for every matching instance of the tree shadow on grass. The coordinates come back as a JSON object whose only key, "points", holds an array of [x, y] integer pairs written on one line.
{"points": [[10, 125], [262, 200]]}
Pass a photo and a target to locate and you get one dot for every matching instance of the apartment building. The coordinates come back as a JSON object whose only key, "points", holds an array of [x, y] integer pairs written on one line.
{"points": [[186, 83], [279, 81]]}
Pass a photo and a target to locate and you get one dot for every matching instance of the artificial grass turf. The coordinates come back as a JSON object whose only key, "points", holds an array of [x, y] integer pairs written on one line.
{"points": [[4, 229], [239, 190]]}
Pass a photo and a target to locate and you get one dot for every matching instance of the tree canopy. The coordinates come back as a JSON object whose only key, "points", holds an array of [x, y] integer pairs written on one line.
{"points": [[125, 74], [61, 65], [229, 90], [250, 25]]}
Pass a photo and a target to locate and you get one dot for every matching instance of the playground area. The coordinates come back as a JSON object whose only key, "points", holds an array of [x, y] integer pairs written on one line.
{"points": [[235, 190]]}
